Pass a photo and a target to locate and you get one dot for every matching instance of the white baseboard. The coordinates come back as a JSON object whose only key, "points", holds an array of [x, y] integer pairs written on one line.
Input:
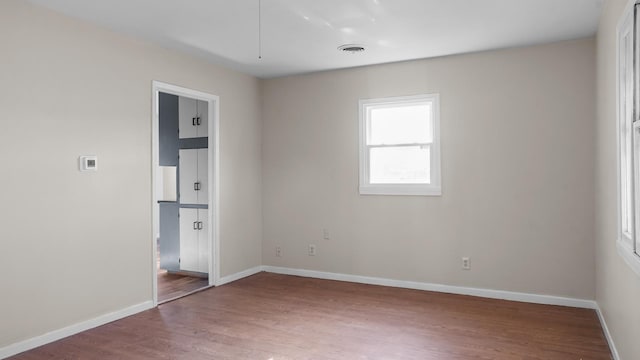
{"points": [[52, 336], [486, 293], [607, 334], [239, 275]]}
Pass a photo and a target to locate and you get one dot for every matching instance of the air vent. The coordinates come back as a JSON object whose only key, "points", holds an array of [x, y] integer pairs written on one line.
{"points": [[351, 48]]}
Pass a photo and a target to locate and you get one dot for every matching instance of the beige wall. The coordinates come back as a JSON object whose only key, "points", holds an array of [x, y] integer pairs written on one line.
{"points": [[618, 287], [517, 173], [75, 246], [518, 188]]}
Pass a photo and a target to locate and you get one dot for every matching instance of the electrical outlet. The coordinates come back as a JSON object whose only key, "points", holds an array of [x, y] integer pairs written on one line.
{"points": [[325, 234], [466, 263], [278, 251], [312, 250]]}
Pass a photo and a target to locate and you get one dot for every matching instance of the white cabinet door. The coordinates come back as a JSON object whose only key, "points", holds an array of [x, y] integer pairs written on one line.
{"points": [[203, 177], [203, 244], [203, 115], [188, 176], [189, 246], [187, 118], [192, 118], [194, 174], [194, 247]]}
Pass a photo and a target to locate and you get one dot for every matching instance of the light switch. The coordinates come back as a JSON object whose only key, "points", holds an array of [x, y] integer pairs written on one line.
{"points": [[88, 163]]}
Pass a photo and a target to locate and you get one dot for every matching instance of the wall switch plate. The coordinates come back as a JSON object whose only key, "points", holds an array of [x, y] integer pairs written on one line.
{"points": [[88, 163], [325, 234], [278, 251], [312, 250]]}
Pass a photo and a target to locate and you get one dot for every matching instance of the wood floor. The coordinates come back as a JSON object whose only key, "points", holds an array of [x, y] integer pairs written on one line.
{"points": [[171, 286], [273, 317]]}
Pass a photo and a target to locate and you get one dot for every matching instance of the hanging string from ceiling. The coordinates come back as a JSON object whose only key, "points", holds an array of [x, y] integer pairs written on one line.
{"points": [[259, 29]]}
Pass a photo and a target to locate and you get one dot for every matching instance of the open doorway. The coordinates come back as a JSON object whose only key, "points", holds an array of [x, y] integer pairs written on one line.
{"points": [[185, 197]]}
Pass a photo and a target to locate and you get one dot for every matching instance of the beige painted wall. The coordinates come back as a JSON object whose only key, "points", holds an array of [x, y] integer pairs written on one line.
{"points": [[517, 163], [618, 287], [517, 172], [75, 246]]}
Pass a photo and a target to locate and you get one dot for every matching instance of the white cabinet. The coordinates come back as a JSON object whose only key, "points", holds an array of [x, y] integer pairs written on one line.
{"points": [[194, 247], [194, 173], [192, 118]]}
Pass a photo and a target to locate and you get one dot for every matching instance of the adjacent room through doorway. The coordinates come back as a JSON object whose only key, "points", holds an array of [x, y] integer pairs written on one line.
{"points": [[182, 176]]}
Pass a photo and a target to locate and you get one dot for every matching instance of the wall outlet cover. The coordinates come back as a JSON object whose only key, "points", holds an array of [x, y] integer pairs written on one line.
{"points": [[466, 263]]}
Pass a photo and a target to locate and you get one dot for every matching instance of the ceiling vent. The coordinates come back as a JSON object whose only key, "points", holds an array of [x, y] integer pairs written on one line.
{"points": [[351, 48]]}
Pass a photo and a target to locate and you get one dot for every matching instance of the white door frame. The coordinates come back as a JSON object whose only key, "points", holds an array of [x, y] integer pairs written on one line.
{"points": [[214, 176]]}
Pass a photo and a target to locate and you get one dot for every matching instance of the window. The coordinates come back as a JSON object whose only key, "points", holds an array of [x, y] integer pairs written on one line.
{"points": [[628, 143], [400, 145]]}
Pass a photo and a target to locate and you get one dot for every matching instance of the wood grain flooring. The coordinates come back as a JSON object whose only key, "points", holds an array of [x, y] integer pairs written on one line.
{"points": [[273, 317], [171, 286]]}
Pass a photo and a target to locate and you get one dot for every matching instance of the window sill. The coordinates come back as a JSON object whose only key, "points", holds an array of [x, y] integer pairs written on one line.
{"points": [[419, 190], [629, 256]]}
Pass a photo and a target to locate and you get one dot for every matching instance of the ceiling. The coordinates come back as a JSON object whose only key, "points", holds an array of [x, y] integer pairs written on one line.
{"points": [[301, 36]]}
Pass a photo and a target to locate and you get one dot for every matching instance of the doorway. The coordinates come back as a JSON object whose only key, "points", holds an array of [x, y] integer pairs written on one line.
{"points": [[185, 191]]}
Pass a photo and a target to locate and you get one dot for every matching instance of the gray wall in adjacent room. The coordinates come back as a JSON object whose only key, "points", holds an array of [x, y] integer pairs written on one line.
{"points": [[169, 224]]}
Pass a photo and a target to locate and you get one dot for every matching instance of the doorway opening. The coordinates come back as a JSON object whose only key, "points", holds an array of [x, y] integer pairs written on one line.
{"points": [[185, 191]]}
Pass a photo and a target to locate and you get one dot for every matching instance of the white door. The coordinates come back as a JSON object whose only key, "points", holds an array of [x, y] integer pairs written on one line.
{"points": [[203, 118], [194, 247], [187, 118], [194, 176], [203, 177], [189, 242], [189, 176], [203, 243]]}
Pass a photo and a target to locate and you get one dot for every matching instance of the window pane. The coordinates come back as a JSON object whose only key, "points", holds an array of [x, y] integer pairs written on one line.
{"points": [[635, 181], [400, 165], [626, 183], [626, 166], [400, 124]]}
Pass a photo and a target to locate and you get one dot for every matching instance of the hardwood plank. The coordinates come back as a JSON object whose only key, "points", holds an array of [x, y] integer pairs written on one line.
{"points": [[272, 317], [173, 285]]}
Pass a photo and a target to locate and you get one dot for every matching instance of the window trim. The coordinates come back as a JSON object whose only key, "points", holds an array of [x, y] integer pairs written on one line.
{"points": [[626, 243], [432, 189]]}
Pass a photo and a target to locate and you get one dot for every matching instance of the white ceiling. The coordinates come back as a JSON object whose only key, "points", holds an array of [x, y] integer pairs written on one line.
{"points": [[300, 36]]}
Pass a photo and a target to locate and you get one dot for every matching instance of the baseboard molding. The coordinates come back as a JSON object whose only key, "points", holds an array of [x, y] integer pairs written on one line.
{"points": [[52, 336], [607, 334], [486, 293], [239, 275]]}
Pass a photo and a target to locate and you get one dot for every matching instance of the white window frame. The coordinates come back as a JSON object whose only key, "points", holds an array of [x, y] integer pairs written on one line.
{"points": [[431, 189], [628, 137]]}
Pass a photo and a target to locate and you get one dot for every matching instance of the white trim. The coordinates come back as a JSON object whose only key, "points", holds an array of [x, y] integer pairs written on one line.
{"points": [[607, 334], [365, 187], [239, 275], [624, 244], [64, 332], [214, 193], [401, 189], [630, 257], [214, 176], [460, 290], [155, 207]]}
